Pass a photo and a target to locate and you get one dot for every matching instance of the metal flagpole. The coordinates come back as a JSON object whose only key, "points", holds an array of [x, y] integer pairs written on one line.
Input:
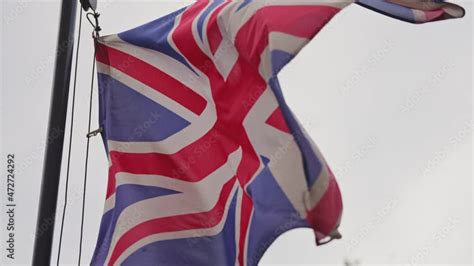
{"points": [[55, 136]]}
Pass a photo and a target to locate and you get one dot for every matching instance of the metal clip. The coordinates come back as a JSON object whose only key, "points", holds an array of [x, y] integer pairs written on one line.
{"points": [[95, 23], [94, 133]]}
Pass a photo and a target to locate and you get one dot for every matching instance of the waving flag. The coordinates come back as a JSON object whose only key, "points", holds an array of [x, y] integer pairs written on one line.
{"points": [[207, 163]]}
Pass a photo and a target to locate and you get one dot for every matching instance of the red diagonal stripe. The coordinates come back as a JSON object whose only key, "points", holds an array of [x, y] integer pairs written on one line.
{"points": [[302, 21], [174, 223], [152, 77], [214, 35], [184, 39], [246, 210]]}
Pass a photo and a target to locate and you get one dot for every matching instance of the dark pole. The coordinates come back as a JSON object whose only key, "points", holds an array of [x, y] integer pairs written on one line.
{"points": [[55, 136]]}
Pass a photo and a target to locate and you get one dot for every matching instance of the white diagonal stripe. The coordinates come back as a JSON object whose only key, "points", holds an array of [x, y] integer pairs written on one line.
{"points": [[195, 198]]}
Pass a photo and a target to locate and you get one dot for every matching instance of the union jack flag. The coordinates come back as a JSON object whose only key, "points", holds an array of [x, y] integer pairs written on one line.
{"points": [[208, 165]]}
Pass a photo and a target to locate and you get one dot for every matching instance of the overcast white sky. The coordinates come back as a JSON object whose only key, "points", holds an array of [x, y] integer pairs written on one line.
{"points": [[389, 104]]}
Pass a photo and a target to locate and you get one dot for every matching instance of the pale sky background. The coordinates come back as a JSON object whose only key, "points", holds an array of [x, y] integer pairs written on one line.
{"points": [[389, 104]]}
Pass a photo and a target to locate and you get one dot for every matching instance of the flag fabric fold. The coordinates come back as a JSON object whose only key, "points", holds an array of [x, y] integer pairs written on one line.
{"points": [[415, 11], [207, 163]]}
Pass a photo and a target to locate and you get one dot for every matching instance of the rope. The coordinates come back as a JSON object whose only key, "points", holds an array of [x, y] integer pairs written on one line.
{"points": [[95, 35], [70, 140], [86, 164]]}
